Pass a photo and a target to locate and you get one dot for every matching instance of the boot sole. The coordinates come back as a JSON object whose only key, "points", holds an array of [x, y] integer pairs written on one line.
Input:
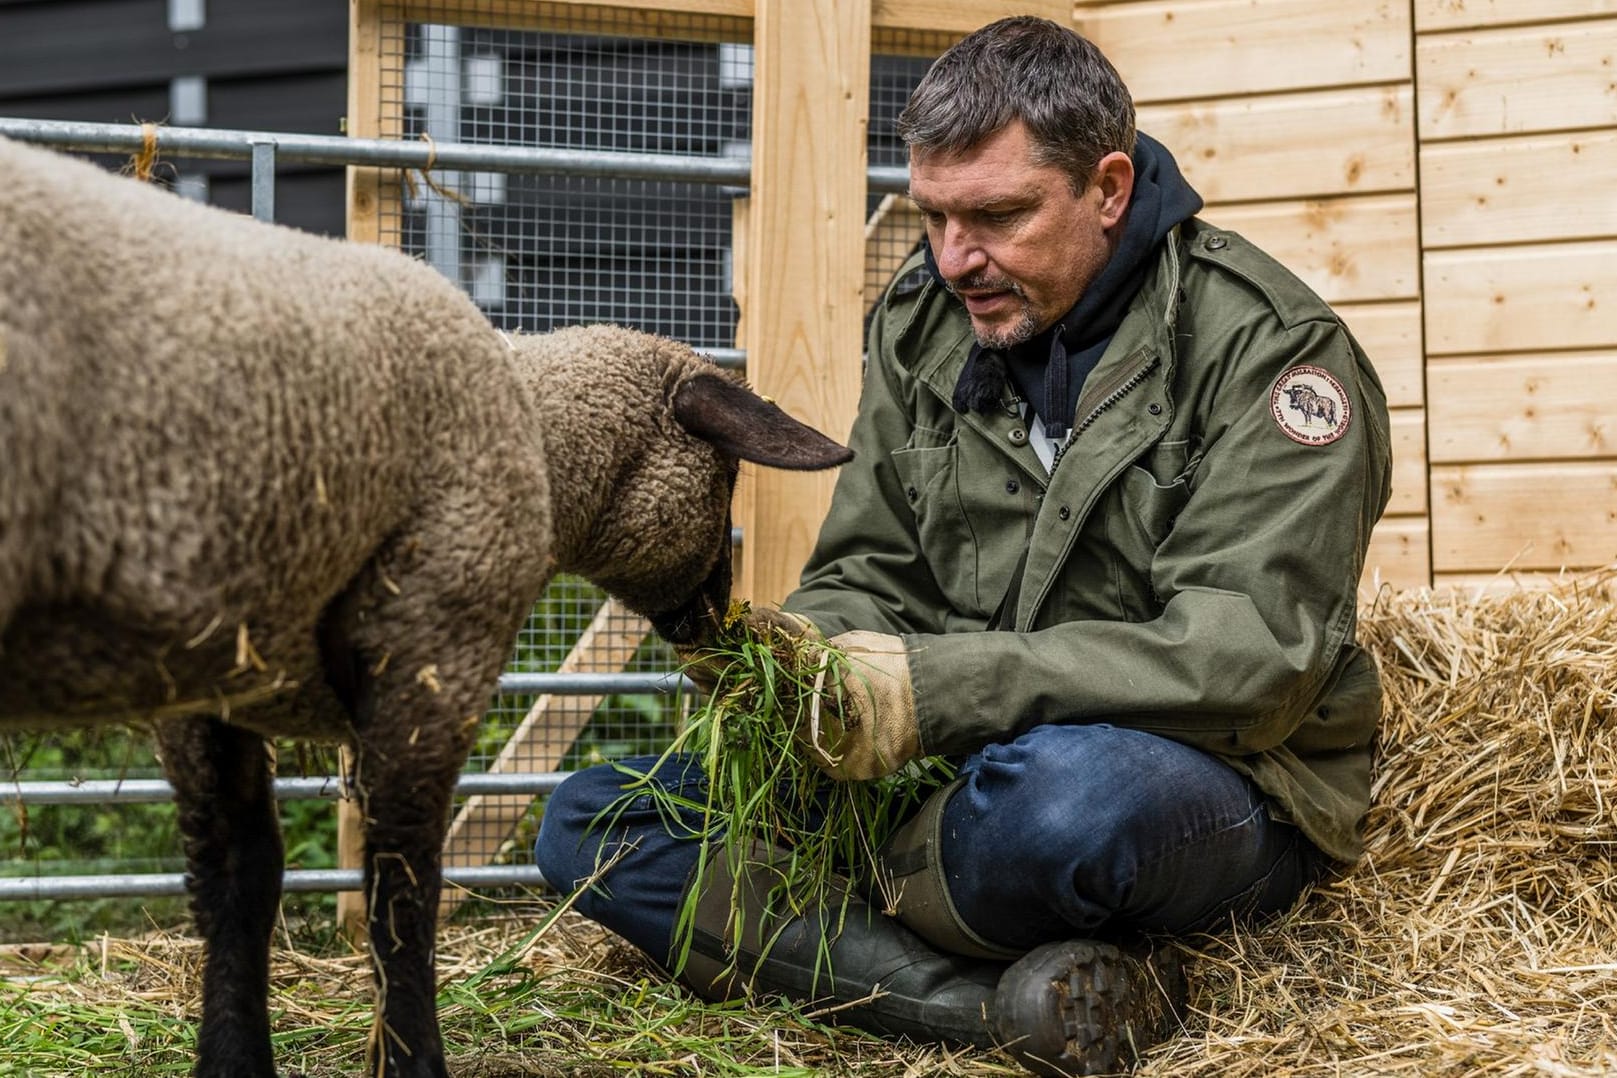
{"points": [[1081, 1007]]}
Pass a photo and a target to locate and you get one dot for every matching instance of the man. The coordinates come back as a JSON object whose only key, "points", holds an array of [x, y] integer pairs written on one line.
{"points": [[1116, 472]]}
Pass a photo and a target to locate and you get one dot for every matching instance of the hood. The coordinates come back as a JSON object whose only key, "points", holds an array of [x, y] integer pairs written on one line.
{"points": [[1049, 370]]}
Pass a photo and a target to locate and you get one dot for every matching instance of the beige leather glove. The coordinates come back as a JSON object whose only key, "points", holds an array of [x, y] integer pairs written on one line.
{"points": [[705, 665], [864, 727]]}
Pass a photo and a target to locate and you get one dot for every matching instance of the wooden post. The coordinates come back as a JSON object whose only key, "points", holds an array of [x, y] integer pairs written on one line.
{"points": [[365, 119], [539, 742], [811, 100]]}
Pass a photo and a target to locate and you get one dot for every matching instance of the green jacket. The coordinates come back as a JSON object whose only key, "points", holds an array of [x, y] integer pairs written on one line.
{"points": [[1190, 569]]}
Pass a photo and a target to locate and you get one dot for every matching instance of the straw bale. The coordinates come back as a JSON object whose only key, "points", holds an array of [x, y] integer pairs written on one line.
{"points": [[1477, 937]]}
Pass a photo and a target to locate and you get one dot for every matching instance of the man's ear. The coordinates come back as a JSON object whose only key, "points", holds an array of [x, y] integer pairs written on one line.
{"points": [[1114, 184]]}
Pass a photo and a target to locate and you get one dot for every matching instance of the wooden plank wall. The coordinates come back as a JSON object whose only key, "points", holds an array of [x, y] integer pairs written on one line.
{"points": [[1440, 170], [1517, 103], [1296, 121]]}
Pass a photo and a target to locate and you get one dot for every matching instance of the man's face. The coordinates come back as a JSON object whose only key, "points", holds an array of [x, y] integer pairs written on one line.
{"points": [[1010, 237]]}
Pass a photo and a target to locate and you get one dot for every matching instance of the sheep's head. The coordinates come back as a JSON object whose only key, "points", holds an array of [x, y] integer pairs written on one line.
{"points": [[642, 503]]}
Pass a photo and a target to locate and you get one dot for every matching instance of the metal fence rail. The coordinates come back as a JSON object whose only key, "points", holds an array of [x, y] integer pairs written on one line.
{"points": [[156, 884], [330, 788], [265, 150], [216, 144]]}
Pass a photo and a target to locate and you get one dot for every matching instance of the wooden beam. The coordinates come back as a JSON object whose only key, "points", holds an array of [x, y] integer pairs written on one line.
{"points": [[364, 116], [1521, 299], [1270, 147], [1390, 334], [1433, 15], [1345, 249], [744, 502], [954, 17], [1493, 191], [676, 20], [1408, 461], [540, 741], [1224, 48], [1504, 408], [1399, 555], [371, 56], [1524, 516], [811, 94], [1554, 77], [942, 16]]}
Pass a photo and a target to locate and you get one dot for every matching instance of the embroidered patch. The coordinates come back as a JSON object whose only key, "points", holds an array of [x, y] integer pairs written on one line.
{"points": [[1310, 406]]}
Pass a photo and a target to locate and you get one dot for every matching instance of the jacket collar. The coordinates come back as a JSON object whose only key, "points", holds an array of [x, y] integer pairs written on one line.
{"points": [[1148, 325]]}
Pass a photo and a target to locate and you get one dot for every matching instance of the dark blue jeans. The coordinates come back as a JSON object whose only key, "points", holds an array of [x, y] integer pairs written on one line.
{"points": [[1068, 832]]}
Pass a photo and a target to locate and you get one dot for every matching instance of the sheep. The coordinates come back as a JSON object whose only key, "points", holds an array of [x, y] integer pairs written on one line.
{"points": [[258, 483]]}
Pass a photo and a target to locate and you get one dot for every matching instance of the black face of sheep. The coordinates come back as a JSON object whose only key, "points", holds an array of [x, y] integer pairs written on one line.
{"points": [[272, 485]]}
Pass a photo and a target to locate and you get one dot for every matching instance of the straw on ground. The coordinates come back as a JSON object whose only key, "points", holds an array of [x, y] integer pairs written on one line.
{"points": [[1477, 937]]}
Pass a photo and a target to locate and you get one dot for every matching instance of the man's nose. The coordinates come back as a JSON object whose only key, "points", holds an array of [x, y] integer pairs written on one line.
{"points": [[957, 252]]}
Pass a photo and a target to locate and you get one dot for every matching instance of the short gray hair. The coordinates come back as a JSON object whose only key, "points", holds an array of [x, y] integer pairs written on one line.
{"points": [[1052, 78]]}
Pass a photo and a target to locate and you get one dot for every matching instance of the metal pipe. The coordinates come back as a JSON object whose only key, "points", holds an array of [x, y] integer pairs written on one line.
{"points": [[218, 144], [136, 885], [440, 72], [729, 358], [264, 180], [595, 684], [303, 788]]}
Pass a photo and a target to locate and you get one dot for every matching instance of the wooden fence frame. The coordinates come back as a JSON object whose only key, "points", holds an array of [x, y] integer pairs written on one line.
{"points": [[802, 336]]}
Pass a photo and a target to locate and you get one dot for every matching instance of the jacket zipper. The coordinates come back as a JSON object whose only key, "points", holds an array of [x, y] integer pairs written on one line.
{"points": [[1122, 390]]}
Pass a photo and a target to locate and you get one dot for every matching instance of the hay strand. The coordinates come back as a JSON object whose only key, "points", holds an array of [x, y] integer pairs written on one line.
{"points": [[1478, 936]]}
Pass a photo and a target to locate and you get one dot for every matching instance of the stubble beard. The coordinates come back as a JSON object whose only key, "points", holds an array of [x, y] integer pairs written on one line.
{"points": [[1024, 328]]}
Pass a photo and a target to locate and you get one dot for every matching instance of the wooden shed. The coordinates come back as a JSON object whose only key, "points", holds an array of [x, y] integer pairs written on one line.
{"points": [[1439, 170], [1442, 171]]}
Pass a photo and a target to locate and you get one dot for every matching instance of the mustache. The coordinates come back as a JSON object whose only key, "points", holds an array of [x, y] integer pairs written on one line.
{"points": [[985, 282]]}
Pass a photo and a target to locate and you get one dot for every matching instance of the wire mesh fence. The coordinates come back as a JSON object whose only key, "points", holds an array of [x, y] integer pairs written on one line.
{"points": [[535, 251]]}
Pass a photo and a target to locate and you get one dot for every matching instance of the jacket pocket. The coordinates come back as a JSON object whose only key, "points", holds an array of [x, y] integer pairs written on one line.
{"points": [[1144, 504], [928, 477], [969, 545], [1347, 713]]}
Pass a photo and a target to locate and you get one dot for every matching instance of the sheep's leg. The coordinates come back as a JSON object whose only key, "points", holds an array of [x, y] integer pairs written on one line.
{"points": [[405, 792], [414, 724], [414, 648], [405, 776], [221, 777]]}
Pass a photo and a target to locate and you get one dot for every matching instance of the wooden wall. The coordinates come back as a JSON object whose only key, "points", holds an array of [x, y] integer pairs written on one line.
{"points": [[1296, 121], [1517, 103], [1443, 172]]}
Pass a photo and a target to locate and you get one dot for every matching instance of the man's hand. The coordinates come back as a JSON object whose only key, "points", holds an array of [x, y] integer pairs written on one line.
{"points": [[865, 727], [705, 663]]}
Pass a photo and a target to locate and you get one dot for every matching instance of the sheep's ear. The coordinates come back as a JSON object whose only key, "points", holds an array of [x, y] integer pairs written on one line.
{"points": [[739, 422]]}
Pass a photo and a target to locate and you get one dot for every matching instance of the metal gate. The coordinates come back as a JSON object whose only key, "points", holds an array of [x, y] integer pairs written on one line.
{"points": [[565, 193]]}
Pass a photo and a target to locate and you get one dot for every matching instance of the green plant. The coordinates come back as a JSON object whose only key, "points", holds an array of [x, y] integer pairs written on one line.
{"points": [[774, 696]]}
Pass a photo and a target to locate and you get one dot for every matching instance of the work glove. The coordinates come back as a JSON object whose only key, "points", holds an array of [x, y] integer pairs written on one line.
{"points": [[705, 663], [863, 726]]}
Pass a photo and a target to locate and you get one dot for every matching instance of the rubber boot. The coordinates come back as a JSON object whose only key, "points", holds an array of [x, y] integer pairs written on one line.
{"points": [[1069, 1008], [880, 975], [1082, 1007], [1078, 1007]]}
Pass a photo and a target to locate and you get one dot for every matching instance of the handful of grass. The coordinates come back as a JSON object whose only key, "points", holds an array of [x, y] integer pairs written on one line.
{"points": [[762, 785]]}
